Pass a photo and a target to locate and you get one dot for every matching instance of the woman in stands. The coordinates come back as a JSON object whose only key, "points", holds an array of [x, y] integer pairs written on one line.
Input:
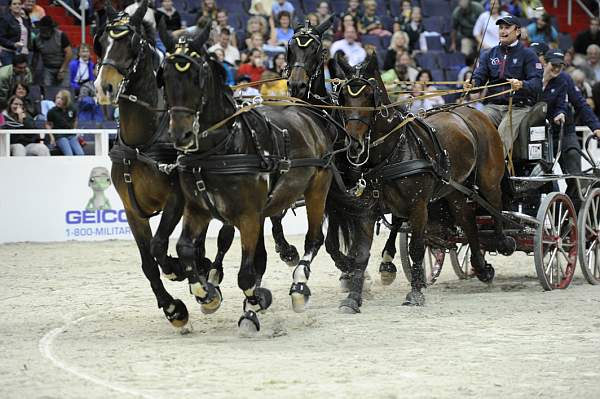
{"points": [[15, 33], [15, 117], [63, 116], [398, 45], [283, 32], [414, 28], [542, 31], [347, 20], [424, 77], [255, 24], [279, 64], [21, 90]]}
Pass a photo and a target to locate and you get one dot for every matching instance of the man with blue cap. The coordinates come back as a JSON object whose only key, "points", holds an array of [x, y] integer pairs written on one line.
{"points": [[513, 63]]}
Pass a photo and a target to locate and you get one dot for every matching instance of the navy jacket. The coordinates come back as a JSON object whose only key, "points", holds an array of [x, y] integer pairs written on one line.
{"points": [[581, 107], [500, 63], [555, 95]]}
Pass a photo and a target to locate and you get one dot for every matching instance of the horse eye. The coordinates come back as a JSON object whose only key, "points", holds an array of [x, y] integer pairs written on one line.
{"points": [[92, 180]]}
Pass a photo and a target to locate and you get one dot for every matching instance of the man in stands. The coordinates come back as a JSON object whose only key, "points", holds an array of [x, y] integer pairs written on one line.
{"points": [[591, 66], [10, 75], [508, 62], [463, 20], [353, 49], [232, 54], [55, 50], [590, 36]]}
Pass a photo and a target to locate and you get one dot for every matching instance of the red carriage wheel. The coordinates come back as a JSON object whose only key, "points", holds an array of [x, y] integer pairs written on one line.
{"points": [[588, 226], [555, 242], [432, 261]]}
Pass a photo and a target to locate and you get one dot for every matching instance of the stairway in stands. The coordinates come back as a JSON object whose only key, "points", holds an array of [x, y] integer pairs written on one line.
{"points": [[66, 23], [580, 20]]}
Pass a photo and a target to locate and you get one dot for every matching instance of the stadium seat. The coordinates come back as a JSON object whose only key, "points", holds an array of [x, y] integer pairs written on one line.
{"points": [[338, 6], [565, 41], [310, 5], [431, 8], [434, 43], [427, 60], [371, 39], [452, 73], [450, 60], [434, 24], [87, 125], [385, 41], [387, 22], [437, 75]]}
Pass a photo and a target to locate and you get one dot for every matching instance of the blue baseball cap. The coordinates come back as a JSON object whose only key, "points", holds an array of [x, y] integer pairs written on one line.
{"points": [[539, 48], [555, 57], [509, 20]]}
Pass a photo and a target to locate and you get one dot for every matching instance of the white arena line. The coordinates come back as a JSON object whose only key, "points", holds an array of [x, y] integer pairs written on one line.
{"points": [[45, 347]]}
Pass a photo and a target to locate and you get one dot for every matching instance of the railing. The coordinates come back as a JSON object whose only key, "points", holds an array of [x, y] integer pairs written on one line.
{"points": [[100, 138]]}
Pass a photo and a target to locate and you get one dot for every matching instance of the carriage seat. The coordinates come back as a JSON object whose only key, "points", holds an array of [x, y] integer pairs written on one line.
{"points": [[530, 142]]}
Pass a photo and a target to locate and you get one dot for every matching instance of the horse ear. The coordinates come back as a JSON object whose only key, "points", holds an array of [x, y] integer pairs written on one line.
{"points": [[165, 36], [325, 25], [372, 64], [297, 25], [138, 15], [199, 41], [342, 68], [111, 13]]}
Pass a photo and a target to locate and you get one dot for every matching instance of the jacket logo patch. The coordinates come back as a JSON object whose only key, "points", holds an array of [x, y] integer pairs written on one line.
{"points": [[538, 65], [515, 61], [495, 61]]}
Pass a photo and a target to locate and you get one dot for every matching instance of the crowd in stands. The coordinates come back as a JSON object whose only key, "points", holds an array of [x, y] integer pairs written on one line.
{"points": [[46, 82]]}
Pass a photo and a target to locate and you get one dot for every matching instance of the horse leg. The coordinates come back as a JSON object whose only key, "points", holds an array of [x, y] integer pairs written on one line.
{"points": [[174, 309], [341, 261], [315, 197], [224, 241], [260, 257], [257, 298], [464, 214], [159, 244], [190, 250], [287, 252], [360, 253], [418, 221], [387, 269], [506, 245]]}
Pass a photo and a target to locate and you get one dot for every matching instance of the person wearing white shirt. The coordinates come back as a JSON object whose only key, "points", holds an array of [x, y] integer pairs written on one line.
{"points": [[232, 54], [491, 36], [349, 46]]}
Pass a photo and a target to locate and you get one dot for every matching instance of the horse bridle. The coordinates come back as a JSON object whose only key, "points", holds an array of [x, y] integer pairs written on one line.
{"points": [[117, 31], [309, 37]]}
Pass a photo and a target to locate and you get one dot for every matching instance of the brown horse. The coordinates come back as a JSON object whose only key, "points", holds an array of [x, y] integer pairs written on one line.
{"points": [[407, 165], [126, 60], [251, 166]]}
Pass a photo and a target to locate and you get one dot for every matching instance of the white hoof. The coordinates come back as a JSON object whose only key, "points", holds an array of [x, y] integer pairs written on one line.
{"points": [[299, 302]]}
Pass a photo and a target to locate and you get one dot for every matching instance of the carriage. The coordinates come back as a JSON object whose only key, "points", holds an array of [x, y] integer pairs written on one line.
{"points": [[540, 217]]}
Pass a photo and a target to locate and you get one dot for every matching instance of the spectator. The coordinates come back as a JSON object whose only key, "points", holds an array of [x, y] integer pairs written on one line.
{"points": [[463, 21], [370, 23], [323, 11], [542, 31], [21, 91], [591, 66], [313, 19], [55, 50], [33, 11], [349, 46], [261, 7], [354, 9], [418, 105], [81, 70], [10, 75], [232, 54], [282, 5], [15, 117], [590, 36], [279, 64], [255, 67], [63, 116], [403, 70], [281, 34], [277, 88], [248, 91], [491, 36], [223, 22], [425, 77], [398, 44], [404, 17], [208, 8], [414, 28], [255, 24], [580, 81], [347, 21], [15, 33], [170, 14], [229, 68]]}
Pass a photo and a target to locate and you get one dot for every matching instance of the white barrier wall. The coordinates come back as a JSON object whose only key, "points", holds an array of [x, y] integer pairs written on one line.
{"points": [[44, 199]]}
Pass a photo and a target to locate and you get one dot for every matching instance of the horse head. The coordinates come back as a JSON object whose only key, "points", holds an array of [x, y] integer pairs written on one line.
{"points": [[187, 76], [120, 47], [305, 56]]}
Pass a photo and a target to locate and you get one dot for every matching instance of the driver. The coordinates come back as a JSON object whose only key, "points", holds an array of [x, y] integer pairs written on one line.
{"points": [[513, 63]]}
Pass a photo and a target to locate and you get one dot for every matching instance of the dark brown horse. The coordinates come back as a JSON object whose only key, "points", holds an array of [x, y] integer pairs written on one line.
{"points": [[127, 75], [253, 165], [406, 165]]}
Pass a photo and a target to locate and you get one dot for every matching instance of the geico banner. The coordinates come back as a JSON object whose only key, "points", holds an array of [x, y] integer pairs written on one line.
{"points": [[72, 198]]}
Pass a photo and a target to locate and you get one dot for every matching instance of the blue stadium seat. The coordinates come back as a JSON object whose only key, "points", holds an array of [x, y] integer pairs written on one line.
{"points": [[437, 75], [427, 60], [431, 8], [387, 22], [450, 60], [452, 73], [434, 43], [385, 41], [87, 125], [565, 41], [434, 24], [371, 39], [338, 6], [109, 125], [310, 5]]}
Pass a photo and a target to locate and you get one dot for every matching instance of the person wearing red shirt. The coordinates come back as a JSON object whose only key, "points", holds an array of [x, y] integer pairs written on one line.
{"points": [[255, 67]]}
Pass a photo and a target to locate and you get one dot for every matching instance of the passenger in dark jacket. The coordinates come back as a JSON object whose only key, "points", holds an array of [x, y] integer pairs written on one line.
{"points": [[15, 33]]}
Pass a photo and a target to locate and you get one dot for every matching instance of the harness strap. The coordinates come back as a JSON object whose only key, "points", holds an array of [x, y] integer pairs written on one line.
{"points": [[201, 189], [235, 164]]}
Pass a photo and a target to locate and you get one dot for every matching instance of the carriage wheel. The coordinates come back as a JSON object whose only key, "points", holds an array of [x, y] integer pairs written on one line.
{"points": [[432, 261], [588, 227], [555, 242]]}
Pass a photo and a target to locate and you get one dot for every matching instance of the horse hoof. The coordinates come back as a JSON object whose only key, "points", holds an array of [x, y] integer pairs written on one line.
{"points": [[213, 305], [349, 306], [300, 294], [414, 298], [265, 298], [176, 313], [387, 272], [344, 282], [248, 324], [289, 255], [487, 274], [507, 246]]}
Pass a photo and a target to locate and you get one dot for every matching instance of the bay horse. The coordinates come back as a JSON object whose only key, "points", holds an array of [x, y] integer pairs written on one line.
{"points": [[306, 59], [241, 167], [127, 75], [405, 164]]}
